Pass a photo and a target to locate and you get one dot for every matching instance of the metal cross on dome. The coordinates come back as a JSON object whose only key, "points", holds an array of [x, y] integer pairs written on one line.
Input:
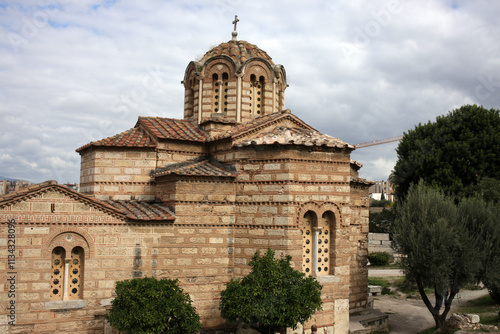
{"points": [[235, 22]]}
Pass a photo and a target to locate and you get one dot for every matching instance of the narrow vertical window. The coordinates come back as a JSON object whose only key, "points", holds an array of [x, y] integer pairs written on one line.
{"points": [[215, 93], [224, 91], [75, 279], [325, 244], [57, 274], [260, 96], [307, 230], [256, 95]]}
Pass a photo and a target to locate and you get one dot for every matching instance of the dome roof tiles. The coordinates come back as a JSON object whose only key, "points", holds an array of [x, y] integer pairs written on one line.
{"points": [[238, 51]]}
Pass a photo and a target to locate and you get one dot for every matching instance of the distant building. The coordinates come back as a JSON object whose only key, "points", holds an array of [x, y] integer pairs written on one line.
{"points": [[382, 187], [3, 187], [7, 186]]}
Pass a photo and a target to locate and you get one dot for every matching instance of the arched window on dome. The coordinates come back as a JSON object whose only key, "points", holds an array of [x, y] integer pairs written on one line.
{"points": [[66, 281], [219, 92], [256, 95], [224, 91], [215, 93]]}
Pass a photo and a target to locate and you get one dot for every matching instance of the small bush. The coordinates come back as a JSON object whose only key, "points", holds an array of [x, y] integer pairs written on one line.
{"points": [[495, 292], [379, 258], [149, 306]]}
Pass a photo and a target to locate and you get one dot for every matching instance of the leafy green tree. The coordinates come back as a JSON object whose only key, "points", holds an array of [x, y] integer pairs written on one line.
{"points": [[488, 226], [272, 296], [453, 153], [442, 246], [489, 189], [150, 306]]}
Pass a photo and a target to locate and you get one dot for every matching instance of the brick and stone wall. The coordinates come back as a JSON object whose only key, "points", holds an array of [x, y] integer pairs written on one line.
{"points": [[109, 173]]}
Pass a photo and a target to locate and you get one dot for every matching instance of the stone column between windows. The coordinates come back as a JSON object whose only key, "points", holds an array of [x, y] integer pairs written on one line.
{"points": [[200, 99], [66, 279], [274, 96], [315, 247], [238, 99]]}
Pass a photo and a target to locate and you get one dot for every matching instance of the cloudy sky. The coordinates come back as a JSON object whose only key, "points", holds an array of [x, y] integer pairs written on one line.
{"points": [[76, 71]]}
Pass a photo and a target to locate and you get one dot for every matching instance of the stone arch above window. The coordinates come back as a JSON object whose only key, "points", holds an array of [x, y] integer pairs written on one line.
{"points": [[68, 238], [68, 250]]}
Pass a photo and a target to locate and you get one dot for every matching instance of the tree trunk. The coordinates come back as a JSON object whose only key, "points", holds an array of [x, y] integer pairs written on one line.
{"points": [[439, 319]]}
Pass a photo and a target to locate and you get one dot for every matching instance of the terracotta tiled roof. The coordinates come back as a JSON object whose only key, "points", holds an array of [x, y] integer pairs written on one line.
{"points": [[197, 167], [294, 136], [134, 137], [238, 51], [261, 122], [133, 210], [170, 128], [142, 210], [47, 186]]}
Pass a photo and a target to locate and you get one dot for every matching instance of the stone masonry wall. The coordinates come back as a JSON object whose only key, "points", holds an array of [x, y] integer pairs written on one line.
{"points": [[359, 249], [273, 183], [109, 173], [197, 254]]}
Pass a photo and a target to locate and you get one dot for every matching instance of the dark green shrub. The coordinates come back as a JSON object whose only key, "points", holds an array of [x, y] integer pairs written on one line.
{"points": [[272, 297], [379, 258], [494, 289], [380, 203], [147, 305], [381, 222]]}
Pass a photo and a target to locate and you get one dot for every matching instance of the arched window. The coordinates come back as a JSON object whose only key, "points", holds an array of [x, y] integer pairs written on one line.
{"points": [[309, 221], [256, 95], [57, 273], [219, 92], [66, 281], [215, 93], [317, 243], [325, 243], [224, 91]]}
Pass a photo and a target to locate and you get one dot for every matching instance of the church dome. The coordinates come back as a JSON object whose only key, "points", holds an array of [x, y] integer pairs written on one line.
{"points": [[238, 51], [232, 83]]}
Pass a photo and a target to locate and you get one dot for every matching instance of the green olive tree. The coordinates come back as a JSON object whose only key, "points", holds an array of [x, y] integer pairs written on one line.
{"points": [[441, 244]]}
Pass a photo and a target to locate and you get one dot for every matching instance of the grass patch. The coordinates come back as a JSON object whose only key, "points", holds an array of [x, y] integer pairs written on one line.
{"points": [[385, 282], [428, 331], [380, 281]]}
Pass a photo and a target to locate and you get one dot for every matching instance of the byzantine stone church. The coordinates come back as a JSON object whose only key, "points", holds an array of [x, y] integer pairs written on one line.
{"points": [[192, 199]]}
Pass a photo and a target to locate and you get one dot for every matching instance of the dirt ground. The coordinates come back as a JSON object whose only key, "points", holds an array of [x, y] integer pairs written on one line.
{"points": [[409, 316]]}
